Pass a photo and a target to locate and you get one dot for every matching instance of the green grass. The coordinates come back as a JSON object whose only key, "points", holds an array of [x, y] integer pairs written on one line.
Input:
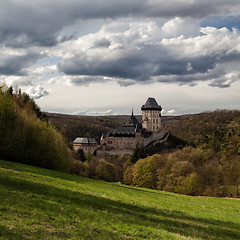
{"points": [[42, 204]]}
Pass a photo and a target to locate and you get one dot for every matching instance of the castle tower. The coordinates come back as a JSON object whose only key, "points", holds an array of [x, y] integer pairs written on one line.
{"points": [[151, 115]]}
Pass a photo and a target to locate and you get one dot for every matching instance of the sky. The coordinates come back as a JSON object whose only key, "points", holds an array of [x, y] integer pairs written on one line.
{"points": [[104, 57]]}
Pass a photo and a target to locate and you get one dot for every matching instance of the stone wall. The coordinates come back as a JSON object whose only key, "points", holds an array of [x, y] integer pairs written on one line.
{"points": [[114, 152], [154, 120], [85, 147], [121, 143], [158, 137]]}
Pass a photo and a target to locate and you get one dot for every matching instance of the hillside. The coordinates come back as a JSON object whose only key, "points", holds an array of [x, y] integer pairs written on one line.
{"points": [[190, 128], [25, 135], [43, 204], [199, 127], [72, 126]]}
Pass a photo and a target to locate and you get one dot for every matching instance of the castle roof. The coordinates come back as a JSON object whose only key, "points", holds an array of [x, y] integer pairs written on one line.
{"points": [[127, 129], [85, 140], [151, 104], [124, 131]]}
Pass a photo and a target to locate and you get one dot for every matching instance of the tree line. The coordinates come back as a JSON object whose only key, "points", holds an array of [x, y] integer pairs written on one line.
{"points": [[208, 166], [26, 136]]}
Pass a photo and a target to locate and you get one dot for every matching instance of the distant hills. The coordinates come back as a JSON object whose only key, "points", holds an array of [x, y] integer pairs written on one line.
{"points": [[191, 128], [73, 126]]}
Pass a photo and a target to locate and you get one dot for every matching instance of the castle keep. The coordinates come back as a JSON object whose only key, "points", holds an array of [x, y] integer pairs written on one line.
{"points": [[151, 115], [123, 140]]}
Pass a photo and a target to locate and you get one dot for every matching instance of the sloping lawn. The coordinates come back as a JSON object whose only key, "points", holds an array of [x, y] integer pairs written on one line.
{"points": [[37, 203]]}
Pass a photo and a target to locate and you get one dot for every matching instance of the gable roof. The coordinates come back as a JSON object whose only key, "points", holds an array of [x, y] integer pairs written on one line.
{"points": [[85, 140], [127, 129], [151, 104]]}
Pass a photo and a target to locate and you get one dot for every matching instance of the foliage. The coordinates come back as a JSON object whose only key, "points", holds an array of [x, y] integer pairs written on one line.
{"points": [[98, 168], [206, 127], [145, 172], [139, 152], [42, 204], [81, 155], [26, 138], [191, 170], [81, 126]]}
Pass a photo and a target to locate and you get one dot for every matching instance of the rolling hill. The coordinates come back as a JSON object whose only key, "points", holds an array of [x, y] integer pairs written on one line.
{"points": [[37, 203]]}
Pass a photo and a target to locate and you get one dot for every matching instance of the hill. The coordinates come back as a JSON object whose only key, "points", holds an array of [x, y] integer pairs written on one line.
{"points": [[37, 203], [25, 135], [72, 126], [197, 128]]}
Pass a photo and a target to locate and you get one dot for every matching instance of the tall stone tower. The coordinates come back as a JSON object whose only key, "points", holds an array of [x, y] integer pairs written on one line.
{"points": [[151, 115]]}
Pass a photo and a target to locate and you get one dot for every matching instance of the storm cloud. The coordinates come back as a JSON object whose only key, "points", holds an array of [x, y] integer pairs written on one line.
{"points": [[53, 44], [142, 52], [23, 23]]}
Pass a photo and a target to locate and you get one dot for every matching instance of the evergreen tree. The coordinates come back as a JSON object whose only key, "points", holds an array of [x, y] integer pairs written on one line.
{"points": [[138, 153], [81, 155]]}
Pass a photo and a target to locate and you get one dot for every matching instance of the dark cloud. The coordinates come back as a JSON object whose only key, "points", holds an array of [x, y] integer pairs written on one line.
{"points": [[140, 53], [85, 80], [102, 43], [125, 51], [139, 65], [17, 65], [23, 23]]}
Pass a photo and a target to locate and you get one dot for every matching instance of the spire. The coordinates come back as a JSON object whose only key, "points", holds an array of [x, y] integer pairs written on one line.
{"points": [[132, 111]]}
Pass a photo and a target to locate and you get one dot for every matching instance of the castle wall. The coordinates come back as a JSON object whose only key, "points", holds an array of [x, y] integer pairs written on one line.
{"points": [[85, 147], [122, 143], [153, 122], [114, 152]]}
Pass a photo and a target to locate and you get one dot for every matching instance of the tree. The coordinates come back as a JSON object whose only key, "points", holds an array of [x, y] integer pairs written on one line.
{"points": [[26, 139], [89, 156], [81, 155], [138, 153]]}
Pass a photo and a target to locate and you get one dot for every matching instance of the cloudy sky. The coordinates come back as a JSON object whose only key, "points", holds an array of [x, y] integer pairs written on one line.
{"points": [[107, 56]]}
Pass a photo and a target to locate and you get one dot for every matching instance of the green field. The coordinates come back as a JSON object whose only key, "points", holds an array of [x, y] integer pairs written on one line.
{"points": [[42, 204]]}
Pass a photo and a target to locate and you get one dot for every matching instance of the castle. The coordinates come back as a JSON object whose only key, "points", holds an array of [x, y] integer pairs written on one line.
{"points": [[123, 140]]}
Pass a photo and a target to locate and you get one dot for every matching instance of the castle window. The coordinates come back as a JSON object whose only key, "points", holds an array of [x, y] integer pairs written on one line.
{"points": [[153, 120], [156, 120]]}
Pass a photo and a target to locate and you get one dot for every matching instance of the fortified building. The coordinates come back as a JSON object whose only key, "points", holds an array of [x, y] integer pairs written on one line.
{"points": [[123, 140]]}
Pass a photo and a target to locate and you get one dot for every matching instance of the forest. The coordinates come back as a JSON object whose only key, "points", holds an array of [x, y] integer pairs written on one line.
{"points": [[27, 137], [202, 158], [207, 165]]}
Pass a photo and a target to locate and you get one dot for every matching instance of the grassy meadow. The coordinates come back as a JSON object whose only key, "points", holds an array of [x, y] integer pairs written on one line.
{"points": [[37, 203]]}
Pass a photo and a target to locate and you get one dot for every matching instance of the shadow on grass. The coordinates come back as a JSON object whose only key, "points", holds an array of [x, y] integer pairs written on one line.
{"points": [[132, 215], [8, 234]]}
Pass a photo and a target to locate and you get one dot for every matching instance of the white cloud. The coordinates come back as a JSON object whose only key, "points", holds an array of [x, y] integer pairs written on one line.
{"points": [[37, 92], [171, 112], [63, 46], [141, 52], [16, 81], [226, 80], [176, 27], [94, 113]]}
